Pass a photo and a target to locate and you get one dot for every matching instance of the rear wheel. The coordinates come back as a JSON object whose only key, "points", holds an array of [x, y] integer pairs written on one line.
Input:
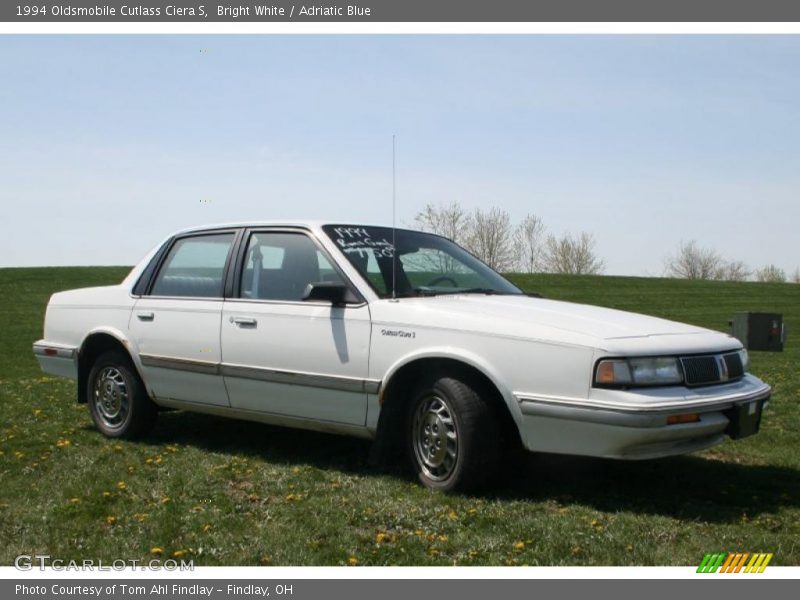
{"points": [[453, 435], [117, 398]]}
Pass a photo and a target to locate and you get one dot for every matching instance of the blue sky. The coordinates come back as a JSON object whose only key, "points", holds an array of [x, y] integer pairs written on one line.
{"points": [[109, 143]]}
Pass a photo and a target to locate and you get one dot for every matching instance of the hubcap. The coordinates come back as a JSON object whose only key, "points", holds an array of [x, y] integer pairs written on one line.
{"points": [[435, 438], [111, 397]]}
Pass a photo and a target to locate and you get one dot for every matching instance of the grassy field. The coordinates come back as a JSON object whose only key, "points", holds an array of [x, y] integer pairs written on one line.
{"points": [[225, 492]]}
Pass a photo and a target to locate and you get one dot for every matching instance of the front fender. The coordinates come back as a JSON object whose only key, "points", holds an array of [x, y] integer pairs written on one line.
{"points": [[464, 356]]}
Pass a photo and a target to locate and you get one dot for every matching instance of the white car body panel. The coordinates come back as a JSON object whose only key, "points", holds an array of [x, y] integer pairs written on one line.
{"points": [[273, 359], [180, 330], [316, 366]]}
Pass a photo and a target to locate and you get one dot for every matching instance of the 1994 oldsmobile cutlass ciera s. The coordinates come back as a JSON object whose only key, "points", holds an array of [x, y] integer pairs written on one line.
{"points": [[396, 335]]}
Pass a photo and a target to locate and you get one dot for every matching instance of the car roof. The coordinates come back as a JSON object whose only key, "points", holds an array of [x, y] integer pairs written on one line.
{"points": [[304, 223]]}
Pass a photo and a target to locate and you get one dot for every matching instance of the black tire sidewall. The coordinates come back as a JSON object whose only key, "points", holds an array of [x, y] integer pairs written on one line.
{"points": [[139, 409], [444, 388]]}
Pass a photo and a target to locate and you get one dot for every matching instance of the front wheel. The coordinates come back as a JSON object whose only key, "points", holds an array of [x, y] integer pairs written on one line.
{"points": [[453, 436], [117, 398]]}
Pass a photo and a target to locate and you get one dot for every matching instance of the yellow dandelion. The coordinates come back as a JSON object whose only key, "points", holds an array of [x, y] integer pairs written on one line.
{"points": [[442, 538], [37, 412], [519, 545], [380, 537], [106, 494], [18, 454], [75, 500], [419, 532], [452, 515], [149, 461], [111, 520], [352, 561], [156, 550], [63, 443], [178, 553], [122, 485]]}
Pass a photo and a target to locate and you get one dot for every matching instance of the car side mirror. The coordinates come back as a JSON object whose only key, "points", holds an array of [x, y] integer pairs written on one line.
{"points": [[335, 292]]}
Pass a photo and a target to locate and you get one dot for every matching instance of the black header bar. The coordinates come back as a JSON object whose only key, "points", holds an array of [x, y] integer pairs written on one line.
{"points": [[376, 11]]}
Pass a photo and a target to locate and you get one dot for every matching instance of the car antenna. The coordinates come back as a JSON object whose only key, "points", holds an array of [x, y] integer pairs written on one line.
{"points": [[394, 229]]}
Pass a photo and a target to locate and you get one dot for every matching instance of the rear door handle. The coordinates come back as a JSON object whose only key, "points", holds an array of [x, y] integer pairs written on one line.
{"points": [[145, 316], [244, 321]]}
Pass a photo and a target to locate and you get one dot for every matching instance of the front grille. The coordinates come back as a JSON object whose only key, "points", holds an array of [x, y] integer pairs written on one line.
{"points": [[701, 370], [734, 364], [707, 370]]}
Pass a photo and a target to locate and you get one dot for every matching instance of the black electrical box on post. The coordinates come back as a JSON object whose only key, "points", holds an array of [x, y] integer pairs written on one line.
{"points": [[760, 331]]}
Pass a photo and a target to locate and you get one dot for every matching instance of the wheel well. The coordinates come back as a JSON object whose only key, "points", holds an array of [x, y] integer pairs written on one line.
{"points": [[396, 395], [95, 345]]}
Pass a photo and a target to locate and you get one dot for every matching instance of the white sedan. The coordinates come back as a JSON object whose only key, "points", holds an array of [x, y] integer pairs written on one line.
{"points": [[394, 335]]}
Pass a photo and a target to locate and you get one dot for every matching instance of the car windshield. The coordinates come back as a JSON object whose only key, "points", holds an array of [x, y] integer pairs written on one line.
{"points": [[425, 264]]}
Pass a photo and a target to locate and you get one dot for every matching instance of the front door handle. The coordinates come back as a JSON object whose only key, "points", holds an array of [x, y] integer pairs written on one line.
{"points": [[145, 316], [244, 321]]}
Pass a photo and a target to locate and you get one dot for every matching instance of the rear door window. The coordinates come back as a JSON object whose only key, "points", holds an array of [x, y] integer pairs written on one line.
{"points": [[195, 267]]}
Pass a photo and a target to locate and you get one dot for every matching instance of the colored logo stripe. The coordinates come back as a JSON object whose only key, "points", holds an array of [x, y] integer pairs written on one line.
{"points": [[735, 562]]}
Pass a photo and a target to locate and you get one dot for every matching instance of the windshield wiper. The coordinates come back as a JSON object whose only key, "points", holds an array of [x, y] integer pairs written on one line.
{"points": [[474, 290]]}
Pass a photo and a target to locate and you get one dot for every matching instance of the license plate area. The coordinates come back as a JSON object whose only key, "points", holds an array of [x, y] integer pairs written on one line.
{"points": [[744, 419]]}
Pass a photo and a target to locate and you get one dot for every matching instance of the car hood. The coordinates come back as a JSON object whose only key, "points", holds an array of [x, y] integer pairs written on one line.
{"points": [[550, 320]]}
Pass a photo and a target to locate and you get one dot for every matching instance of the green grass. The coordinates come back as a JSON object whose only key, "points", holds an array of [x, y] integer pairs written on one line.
{"points": [[236, 493]]}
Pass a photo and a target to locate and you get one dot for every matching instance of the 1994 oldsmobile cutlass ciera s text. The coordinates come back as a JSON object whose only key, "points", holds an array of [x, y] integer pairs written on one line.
{"points": [[396, 335]]}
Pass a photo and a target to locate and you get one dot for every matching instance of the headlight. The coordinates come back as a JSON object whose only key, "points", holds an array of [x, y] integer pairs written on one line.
{"points": [[639, 371]]}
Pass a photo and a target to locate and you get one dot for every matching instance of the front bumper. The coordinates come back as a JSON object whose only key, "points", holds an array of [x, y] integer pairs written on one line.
{"points": [[632, 424]]}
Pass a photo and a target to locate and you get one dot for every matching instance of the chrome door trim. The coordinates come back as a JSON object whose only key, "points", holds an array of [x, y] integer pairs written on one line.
{"points": [[180, 364], [302, 378], [331, 382]]}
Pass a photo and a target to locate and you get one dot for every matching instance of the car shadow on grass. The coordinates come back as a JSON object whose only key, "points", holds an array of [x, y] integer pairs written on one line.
{"points": [[686, 487], [690, 487]]}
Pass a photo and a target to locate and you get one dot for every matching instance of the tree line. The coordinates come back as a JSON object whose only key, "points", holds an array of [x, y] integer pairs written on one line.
{"points": [[525, 247], [528, 247], [693, 261]]}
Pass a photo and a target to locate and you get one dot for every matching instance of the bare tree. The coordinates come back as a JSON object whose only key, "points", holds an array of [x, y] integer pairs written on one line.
{"points": [[450, 220], [734, 270], [574, 255], [796, 276], [771, 274], [490, 238], [529, 243], [693, 262]]}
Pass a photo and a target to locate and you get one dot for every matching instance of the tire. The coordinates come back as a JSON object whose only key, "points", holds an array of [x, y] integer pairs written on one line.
{"points": [[117, 399], [453, 436]]}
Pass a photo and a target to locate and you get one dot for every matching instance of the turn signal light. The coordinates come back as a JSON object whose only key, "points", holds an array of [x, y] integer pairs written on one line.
{"points": [[675, 419], [605, 372]]}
